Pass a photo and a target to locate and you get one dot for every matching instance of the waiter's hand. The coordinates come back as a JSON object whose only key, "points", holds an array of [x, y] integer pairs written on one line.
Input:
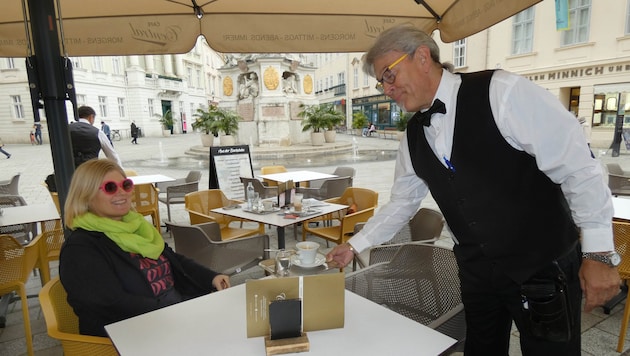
{"points": [[221, 282], [599, 282], [340, 256]]}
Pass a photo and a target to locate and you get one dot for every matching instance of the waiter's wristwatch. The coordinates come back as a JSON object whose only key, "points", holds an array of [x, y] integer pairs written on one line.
{"points": [[610, 258]]}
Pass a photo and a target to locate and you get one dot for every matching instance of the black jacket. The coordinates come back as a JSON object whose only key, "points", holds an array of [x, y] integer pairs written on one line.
{"points": [[105, 285]]}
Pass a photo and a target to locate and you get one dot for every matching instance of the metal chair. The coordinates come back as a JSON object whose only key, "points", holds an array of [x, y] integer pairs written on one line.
{"points": [[10, 187], [203, 244], [199, 205], [16, 264], [340, 171], [621, 233], [262, 190], [22, 232], [271, 170], [174, 192], [145, 201], [63, 324], [330, 188], [421, 282], [618, 180], [426, 226], [366, 201]]}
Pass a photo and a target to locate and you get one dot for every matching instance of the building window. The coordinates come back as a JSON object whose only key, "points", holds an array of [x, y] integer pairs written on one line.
{"points": [[10, 63], [459, 53], [98, 64], [189, 72], [523, 31], [326, 84], [579, 20], [121, 107], [18, 109], [366, 80], [80, 100], [199, 78], [151, 110], [116, 65], [341, 78], [102, 106], [355, 74]]}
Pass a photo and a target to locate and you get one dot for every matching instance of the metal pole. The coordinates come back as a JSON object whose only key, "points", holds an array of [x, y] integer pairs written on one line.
{"points": [[52, 86]]}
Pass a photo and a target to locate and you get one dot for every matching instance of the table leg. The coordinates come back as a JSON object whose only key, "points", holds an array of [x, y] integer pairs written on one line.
{"points": [[281, 244]]}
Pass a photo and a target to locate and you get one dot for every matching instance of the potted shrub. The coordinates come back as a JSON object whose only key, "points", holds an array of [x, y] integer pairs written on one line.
{"points": [[333, 119], [167, 122], [314, 118], [359, 121], [205, 121], [401, 124], [227, 122]]}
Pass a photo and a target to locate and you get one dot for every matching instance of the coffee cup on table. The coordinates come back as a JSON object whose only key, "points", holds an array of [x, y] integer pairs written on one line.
{"points": [[306, 251], [297, 202]]}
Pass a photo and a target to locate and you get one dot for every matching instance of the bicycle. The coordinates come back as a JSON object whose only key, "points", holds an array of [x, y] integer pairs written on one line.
{"points": [[116, 135]]}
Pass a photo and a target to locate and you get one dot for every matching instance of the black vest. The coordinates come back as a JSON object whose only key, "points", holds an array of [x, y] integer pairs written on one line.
{"points": [[497, 203], [85, 142]]}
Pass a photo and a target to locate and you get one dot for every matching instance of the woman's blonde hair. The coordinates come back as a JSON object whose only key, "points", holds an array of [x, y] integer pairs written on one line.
{"points": [[84, 186]]}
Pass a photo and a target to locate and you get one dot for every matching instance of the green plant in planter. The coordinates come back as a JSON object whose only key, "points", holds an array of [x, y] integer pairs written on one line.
{"points": [[205, 120], [319, 117], [227, 121], [359, 120], [167, 120], [401, 124]]}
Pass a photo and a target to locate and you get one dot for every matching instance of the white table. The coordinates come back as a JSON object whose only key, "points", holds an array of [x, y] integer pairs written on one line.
{"points": [[277, 218], [27, 214], [150, 179], [297, 176], [215, 324], [622, 208]]}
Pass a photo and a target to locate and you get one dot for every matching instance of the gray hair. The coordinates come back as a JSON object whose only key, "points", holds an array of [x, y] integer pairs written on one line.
{"points": [[402, 38]]}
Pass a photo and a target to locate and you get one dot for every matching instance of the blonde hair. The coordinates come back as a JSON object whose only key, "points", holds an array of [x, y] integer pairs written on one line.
{"points": [[84, 186]]}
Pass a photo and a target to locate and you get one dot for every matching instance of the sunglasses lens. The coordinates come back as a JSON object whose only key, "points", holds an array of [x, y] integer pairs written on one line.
{"points": [[110, 187], [127, 185]]}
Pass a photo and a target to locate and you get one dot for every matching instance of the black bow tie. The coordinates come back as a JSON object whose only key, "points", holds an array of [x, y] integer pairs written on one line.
{"points": [[437, 107]]}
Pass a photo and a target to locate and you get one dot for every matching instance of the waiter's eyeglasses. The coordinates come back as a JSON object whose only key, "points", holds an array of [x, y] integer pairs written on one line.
{"points": [[111, 187]]}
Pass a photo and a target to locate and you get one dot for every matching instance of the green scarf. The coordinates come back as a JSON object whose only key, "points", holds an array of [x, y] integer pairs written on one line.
{"points": [[132, 234]]}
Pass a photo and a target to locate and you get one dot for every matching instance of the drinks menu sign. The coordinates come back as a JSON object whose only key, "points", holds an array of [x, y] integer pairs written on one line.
{"points": [[227, 165]]}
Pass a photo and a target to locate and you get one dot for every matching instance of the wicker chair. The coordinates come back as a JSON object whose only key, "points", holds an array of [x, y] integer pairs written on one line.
{"points": [[174, 192], [50, 246], [203, 244], [63, 324], [199, 204], [621, 232], [421, 282], [145, 201], [16, 264], [263, 191], [330, 188], [271, 170], [10, 187]]}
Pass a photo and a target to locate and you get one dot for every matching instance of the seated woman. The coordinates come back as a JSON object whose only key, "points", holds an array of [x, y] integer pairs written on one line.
{"points": [[115, 264]]}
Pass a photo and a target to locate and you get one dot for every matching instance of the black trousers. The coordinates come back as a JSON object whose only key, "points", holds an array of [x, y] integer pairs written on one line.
{"points": [[492, 301]]}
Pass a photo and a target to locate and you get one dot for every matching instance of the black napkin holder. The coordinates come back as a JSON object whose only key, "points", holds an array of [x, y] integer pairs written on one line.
{"points": [[285, 318]]}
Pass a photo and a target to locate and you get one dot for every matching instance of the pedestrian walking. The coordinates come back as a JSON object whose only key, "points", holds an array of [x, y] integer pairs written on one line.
{"points": [[2, 149], [134, 133], [32, 137], [106, 130], [38, 132]]}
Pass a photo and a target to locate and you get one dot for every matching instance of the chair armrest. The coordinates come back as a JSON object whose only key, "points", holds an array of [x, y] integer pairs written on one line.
{"points": [[618, 182], [351, 220], [180, 190], [199, 218], [163, 185]]}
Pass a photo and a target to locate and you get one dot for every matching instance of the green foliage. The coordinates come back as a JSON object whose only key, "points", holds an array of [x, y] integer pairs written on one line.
{"points": [[401, 124], [167, 120], [319, 117], [359, 120], [205, 120], [227, 121]]}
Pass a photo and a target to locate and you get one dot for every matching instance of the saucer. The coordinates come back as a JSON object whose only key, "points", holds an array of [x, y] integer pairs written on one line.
{"points": [[319, 260]]}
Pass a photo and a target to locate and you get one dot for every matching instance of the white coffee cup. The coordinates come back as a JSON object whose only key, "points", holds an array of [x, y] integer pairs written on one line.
{"points": [[297, 202], [306, 251]]}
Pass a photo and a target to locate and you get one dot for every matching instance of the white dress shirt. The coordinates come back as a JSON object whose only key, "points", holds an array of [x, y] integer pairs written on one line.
{"points": [[530, 119], [106, 146]]}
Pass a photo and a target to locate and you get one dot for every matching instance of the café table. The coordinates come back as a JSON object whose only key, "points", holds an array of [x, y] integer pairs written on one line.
{"points": [[216, 324], [25, 214], [150, 179], [621, 212], [297, 176], [278, 218]]}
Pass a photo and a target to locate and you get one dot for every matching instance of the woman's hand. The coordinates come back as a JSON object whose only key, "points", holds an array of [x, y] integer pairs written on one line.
{"points": [[221, 282]]}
